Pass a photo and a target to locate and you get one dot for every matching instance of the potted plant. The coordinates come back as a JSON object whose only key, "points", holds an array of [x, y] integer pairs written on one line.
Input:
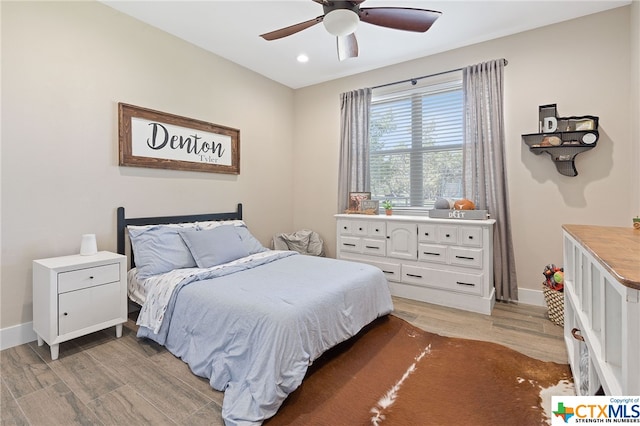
{"points": [[388, 207]]}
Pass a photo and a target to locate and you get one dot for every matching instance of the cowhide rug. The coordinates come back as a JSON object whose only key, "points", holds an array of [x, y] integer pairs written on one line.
{"points": [[393, 373]]}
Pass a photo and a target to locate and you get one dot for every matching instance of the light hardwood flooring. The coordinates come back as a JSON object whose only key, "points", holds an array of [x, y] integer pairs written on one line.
{"points": [[101, 380]]}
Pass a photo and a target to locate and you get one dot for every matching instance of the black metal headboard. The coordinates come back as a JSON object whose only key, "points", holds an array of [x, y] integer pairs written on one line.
{"points": [[163, 220]]}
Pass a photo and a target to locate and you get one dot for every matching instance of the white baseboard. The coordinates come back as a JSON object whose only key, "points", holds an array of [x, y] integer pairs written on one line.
{"points": [[17, 335], [531, 297]]}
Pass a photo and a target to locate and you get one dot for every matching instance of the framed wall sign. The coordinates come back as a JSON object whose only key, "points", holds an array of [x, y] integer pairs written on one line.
{"points": [[155, 139]]}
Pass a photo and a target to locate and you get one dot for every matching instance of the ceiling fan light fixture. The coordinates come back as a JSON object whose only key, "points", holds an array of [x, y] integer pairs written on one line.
{"points": [[341, 22]]}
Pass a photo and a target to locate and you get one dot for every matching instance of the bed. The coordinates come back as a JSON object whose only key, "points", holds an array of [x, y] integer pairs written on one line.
{"points": [[249, 319]]}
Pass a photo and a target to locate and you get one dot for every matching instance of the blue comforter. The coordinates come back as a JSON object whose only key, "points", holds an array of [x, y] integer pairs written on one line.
{"points": [[254, 332]]}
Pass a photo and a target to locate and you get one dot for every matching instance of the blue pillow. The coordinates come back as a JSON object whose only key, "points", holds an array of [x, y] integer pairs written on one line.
{"points": [[159, 249], [215, 246], [251, 244]]}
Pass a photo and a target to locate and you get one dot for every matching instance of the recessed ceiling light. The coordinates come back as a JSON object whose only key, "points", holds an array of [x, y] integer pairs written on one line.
{"points": [[302, 58]]}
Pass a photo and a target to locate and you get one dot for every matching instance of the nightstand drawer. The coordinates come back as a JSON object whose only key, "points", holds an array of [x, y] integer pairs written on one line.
{"points": [[88, 277]]}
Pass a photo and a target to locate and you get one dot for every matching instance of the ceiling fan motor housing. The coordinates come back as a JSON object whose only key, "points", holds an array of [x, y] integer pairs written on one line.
{"points": [[341, 18]]}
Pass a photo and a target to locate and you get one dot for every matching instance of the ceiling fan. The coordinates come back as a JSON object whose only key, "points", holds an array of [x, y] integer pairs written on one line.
{"points": [[341, 20]]}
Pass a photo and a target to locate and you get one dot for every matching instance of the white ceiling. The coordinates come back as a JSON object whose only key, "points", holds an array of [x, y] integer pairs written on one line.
{"points": [[231, 29]]}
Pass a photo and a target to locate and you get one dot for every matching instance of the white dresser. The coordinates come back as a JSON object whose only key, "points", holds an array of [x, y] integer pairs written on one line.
{"points": [[602, 308], [442, 261], [77, 295]]}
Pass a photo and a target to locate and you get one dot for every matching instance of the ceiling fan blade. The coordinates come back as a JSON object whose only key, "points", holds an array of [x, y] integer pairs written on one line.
{"points": [[347, 46], [400, 18], [287, 31]]}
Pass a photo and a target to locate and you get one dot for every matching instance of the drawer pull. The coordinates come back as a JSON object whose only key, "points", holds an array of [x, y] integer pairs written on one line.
{"points": [[431, 254], [576, 334], [464, 257], [467, 284], [447, 235], [426, 234], [344, 227], [377, 230], [389, 272], [359, 229], [414, 276], [65, 314], [471, 237], [91, 277], [348, 244], [373, 247]]}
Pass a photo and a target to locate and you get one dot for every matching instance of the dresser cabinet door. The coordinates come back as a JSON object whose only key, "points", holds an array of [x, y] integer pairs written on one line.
{"points": [[402, 240]]}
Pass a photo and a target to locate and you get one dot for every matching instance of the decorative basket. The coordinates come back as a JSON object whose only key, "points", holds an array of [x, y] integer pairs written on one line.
{"points": [[555, 305]]}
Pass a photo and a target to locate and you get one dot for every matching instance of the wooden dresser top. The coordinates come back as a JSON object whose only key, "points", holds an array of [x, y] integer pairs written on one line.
{"points": [[616, 248]]}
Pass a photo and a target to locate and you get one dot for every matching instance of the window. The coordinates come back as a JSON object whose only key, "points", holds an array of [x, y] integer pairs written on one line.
{"points": [[416, 145]]}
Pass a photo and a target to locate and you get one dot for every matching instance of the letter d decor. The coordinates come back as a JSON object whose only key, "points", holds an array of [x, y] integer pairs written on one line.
{"points": [[160, 140]]}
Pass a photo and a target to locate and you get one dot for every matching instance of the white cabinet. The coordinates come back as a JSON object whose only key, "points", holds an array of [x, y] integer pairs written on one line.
{"points": [[77, 295], [443, 261], [602, 308]]}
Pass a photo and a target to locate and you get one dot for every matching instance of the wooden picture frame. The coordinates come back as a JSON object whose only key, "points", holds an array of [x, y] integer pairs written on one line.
{"points": [[355, 200], [149, 138]]}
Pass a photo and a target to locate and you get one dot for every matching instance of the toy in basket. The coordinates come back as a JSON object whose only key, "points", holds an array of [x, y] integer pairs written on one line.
{"points": [[553, 290]]}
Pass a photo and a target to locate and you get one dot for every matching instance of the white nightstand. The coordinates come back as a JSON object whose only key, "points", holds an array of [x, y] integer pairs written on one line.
{"points": [[77, 295]]}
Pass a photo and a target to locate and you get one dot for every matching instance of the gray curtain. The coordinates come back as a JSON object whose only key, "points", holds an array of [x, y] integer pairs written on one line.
{"points": [[484, 175], [353, 175]]}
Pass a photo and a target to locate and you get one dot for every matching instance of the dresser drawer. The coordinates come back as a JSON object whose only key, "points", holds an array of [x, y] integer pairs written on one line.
{"points": [[427, 233], [390, 270], [352, 244], [471, 236], [442, 279], [359, 227], [344, 227], [373, 247], [447, 234], [377, 229], [468, 257], [88, 277], [432, 253]]}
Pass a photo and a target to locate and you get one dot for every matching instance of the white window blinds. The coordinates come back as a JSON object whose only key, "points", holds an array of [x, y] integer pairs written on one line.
{"points": [[416, 145]]}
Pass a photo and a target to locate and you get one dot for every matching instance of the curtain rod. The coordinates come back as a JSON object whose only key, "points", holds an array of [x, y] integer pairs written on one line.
{"points": [[415, 79]]}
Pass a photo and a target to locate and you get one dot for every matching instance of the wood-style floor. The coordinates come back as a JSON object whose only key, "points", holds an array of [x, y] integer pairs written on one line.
{"points": [[101, 380]]}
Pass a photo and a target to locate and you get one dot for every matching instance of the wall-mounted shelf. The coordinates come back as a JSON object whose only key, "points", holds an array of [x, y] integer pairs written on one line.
{"points": [[563, 138]]}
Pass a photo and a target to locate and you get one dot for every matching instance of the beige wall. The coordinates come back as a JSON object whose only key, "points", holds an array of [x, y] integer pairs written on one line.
{"points": [[65, 66], [582, 65]]}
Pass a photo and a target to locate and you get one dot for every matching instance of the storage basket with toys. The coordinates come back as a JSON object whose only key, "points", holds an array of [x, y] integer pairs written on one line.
{"points": [[553, 289]]}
